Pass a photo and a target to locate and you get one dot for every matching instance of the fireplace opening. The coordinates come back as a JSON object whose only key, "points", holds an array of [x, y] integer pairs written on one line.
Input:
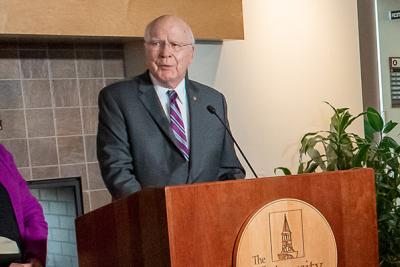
{"points": [[61, 200]]}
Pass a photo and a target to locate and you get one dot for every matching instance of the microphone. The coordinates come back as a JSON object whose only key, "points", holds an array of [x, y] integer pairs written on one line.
{"points": [[212, 110]]}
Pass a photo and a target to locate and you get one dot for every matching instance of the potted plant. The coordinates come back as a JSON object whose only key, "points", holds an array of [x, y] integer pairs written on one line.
{"points": [[338, 149]]}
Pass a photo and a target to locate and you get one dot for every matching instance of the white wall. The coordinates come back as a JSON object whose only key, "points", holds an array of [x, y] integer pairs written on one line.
{"points": [[295, 55], [389, 42]]}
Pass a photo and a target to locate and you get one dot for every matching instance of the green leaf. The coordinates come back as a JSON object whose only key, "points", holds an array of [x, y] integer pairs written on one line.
{"points": [[300, 170], [341, 110], [334, 109], [309, 140], [389, 142], [361, 155], [285, 171], [312, 167], [344, 121], [316, 157], [389, 126], [375, 119], [369, 132], [356, 117]]}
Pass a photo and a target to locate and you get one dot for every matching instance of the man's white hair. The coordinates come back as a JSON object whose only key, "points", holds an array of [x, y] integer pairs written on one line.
{"points": [[149, 27]]}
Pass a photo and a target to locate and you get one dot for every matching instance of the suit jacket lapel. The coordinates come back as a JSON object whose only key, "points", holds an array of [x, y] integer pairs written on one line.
{"points": [[150, 100]]}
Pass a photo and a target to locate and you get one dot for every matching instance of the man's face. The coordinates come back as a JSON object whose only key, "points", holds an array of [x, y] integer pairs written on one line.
{"points": [[169, 51]]}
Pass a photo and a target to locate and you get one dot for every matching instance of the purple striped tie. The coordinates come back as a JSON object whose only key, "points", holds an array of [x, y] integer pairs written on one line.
{"points": [[176, 124]]}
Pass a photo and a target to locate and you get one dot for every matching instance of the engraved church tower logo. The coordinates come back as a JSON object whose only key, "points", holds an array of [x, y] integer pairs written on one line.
{"points": [[288, 251], [286, 235], [286, 232]]}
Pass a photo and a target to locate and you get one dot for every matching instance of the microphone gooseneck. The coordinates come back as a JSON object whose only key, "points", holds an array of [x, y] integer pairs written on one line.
{"points": [[212, 110]]}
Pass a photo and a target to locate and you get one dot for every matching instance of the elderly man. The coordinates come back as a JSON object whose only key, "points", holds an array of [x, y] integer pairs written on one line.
{"points": [[155, 130]]}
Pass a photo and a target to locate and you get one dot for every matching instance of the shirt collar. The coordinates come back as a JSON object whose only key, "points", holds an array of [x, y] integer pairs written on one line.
{"points": [[161, 90]]}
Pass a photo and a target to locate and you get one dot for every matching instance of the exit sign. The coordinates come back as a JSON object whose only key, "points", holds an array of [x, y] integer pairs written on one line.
{"points": [[394, 14]]}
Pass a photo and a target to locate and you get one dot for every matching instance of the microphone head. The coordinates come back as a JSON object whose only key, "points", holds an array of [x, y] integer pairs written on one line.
{"points": [[211, 109]]}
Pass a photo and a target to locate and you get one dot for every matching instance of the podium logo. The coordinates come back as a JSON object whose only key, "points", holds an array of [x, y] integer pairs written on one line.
{"points": [[286, 230], [286, 233]]}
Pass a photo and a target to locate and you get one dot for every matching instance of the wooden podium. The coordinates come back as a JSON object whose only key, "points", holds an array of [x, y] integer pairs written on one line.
{"points": [[198, 225]]}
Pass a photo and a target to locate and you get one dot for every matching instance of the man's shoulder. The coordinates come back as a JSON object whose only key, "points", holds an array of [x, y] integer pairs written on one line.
{"points": [[205, 89], [126, 86]]}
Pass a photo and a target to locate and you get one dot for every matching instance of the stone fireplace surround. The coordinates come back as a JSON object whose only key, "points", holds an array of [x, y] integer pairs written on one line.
{"points": [[48, 108]]}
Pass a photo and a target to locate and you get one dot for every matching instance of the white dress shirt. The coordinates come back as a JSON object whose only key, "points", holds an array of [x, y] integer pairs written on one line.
{"points": [[181, 101]]}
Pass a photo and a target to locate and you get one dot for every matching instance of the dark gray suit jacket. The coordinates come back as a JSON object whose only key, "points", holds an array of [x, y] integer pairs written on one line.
{"points": [[136, 149]]}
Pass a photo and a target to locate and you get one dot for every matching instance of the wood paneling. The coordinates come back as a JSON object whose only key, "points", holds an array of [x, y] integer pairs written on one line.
{"points": [[129, 232], [210, 20], [197, 225], [204, 220]]}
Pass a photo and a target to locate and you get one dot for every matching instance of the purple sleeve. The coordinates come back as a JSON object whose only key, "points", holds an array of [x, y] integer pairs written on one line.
{"points": [[35, 233], [35, 236]]}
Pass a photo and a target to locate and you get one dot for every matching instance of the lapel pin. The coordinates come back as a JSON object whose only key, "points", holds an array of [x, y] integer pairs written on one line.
{"points": [[195, 98]]}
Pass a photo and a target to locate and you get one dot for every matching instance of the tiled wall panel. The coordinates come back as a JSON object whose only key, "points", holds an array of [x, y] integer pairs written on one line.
{"points": [[60, 213], [48, 108]]}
